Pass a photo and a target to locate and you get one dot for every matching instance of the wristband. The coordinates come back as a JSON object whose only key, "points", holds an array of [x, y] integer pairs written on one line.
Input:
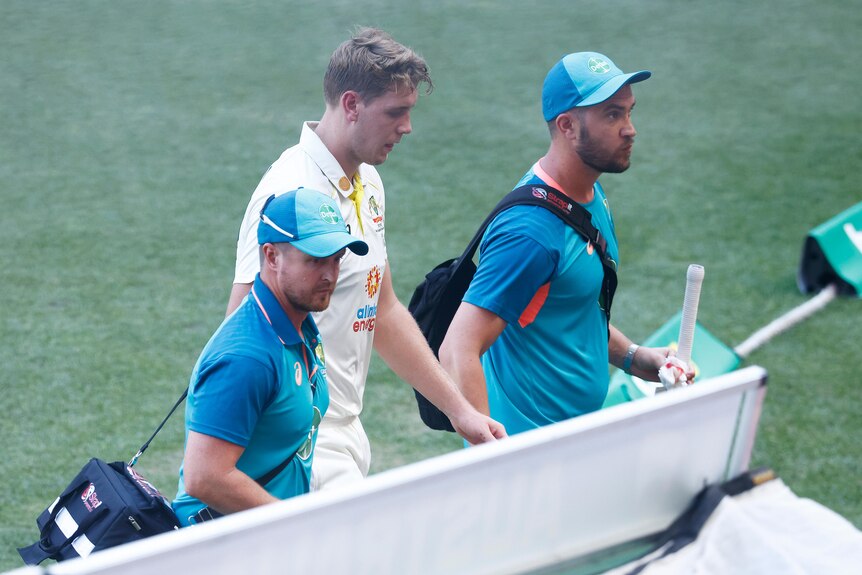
{"points": [[630, 356]]}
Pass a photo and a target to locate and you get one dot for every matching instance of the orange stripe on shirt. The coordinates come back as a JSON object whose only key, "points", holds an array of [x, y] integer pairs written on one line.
{"points": [[307, 367], [535, 305], [266, 315]]}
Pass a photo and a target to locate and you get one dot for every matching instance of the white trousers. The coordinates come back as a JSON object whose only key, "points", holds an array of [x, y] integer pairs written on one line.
{"points": [[342, 455]]}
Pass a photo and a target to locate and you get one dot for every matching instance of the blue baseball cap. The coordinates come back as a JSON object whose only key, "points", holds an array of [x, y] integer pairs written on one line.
{"points": [[310, 221], [583, 79]]}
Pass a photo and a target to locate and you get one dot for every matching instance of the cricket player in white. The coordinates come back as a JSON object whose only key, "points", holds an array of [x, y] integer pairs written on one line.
{"points": [[370, 87]]}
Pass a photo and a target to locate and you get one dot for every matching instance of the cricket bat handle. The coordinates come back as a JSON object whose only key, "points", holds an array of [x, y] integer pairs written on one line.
{"points": [[693, 281]]}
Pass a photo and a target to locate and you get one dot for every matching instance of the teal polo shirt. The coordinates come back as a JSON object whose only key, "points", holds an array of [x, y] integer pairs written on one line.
{"points": [[260, 385], [550, 362]]}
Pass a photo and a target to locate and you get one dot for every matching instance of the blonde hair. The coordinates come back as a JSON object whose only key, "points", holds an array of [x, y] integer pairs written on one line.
{"points": [[370, 64]]}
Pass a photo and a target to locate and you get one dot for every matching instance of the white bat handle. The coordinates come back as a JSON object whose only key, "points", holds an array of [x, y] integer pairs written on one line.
{"points": [[693, 281]]}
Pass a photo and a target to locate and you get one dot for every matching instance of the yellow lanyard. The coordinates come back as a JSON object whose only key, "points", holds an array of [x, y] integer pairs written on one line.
{"points": [[356, 197]]}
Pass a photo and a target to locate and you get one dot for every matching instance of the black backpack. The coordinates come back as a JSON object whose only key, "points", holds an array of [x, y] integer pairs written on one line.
{"points": [[438, 297]]}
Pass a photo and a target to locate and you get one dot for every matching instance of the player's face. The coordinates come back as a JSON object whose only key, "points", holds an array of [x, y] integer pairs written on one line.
{"points": [[607, 133], [381, 123], [305, 282]]}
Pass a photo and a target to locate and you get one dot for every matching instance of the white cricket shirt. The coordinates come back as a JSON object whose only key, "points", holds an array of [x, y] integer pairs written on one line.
{"points": [[347, 326]]}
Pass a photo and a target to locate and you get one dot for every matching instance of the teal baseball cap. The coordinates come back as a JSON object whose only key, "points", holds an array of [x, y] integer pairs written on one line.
{"points": [[310, 221], [583, 79]]}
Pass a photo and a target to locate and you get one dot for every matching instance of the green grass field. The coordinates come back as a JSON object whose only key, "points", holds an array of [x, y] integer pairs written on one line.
{"points": [[132, 135]]}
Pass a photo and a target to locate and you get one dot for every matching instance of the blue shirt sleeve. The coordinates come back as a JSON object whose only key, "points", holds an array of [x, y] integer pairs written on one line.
{"points": [[228, 397], [513, 262]]}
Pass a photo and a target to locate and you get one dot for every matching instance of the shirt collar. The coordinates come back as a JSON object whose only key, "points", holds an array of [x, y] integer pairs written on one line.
{"points": [[272, 311], [546, 177], [315, 149]]}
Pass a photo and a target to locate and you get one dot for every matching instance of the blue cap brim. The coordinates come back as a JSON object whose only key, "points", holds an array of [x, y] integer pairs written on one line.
{"points": [[612, 86], [324, 245]]}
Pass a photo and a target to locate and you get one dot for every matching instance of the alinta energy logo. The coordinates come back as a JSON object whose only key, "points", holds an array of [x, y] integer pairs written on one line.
{"points": [[598, 66], [366, 315]]}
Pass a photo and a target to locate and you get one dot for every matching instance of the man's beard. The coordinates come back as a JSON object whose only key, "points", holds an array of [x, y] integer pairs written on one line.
{"points": [[307, 303], [598, 159]]}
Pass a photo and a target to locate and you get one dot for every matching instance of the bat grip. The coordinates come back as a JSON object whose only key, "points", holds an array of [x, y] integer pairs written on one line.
{"points": [[693, 281]]}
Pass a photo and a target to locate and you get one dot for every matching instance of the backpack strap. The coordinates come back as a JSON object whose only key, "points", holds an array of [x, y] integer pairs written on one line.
{"points": [[571, 212]]}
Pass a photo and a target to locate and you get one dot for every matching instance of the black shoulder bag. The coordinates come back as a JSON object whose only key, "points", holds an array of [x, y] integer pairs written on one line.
{"points": [[438, 297], [105, 505], [108, 504]]}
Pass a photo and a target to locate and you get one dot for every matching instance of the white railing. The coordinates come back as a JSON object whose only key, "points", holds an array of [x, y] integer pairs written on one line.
{"points": [[533, 500]]}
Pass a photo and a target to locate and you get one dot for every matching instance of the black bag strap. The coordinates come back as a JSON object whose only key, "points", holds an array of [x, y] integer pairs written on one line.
{"points": [[54, 550], [571, 212], [208, 513], [146, 444], [262, 481]]}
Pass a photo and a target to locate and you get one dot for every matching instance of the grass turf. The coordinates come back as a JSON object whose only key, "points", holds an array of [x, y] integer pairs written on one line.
{"points": [[134, 133]]}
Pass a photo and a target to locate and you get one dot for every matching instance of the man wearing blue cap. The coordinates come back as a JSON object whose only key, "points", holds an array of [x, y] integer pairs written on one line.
{"points": [[530, 343], [258, 391]]}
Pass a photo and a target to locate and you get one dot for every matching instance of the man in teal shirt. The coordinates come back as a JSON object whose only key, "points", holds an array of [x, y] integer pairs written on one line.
{"points": [[531, 342], [258, 391]]}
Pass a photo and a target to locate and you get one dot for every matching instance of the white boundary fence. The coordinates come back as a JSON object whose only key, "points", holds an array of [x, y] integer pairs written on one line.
{"points": [[557, 493]]}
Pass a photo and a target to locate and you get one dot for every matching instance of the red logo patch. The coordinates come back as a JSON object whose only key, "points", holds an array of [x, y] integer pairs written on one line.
{"points": [[90, 498], [372, 282]]}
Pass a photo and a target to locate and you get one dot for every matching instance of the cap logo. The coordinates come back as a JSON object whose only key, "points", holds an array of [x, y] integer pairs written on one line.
{"points": [[598, 66], [328, 214]]}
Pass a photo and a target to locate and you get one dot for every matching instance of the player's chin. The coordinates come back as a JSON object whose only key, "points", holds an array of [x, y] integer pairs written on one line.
{"points": [[320, 301], [379, 159], [626, 158], [621, 165], [382, 155]]}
